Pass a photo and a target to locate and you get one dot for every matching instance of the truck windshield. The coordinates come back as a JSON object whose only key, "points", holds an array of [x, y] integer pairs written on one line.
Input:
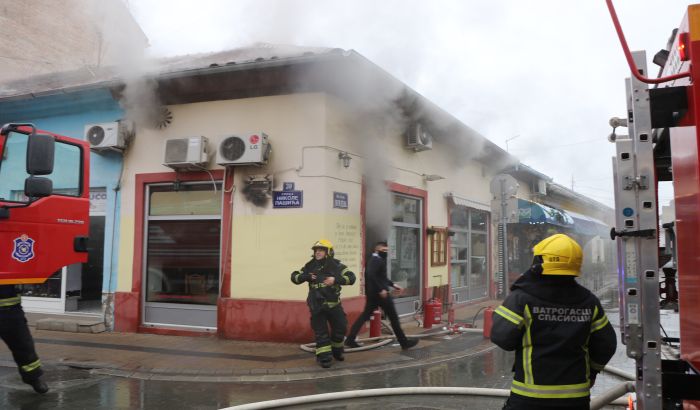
{"points": [[66, 176]]}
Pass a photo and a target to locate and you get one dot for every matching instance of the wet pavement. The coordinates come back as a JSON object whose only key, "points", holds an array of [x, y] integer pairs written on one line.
{"points": [[80, 376]]}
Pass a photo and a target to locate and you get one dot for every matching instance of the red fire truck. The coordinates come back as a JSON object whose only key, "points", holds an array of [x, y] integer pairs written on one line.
{"points": [[663, 145], [44, 203]]}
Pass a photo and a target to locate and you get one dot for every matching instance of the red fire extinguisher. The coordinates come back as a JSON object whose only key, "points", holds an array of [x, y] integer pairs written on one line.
{"points": [[375, 324], [432, 313], [488, 322]]}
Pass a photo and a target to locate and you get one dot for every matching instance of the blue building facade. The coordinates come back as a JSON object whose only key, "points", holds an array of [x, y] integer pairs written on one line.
{"points": [[84, 288]]}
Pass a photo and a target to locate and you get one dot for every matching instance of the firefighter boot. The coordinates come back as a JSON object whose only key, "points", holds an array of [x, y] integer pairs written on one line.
{"points": [[39, 386], [325, 360], [338, 354]]}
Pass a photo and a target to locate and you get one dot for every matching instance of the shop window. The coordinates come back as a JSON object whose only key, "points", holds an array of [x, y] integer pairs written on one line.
{"points": [[438, 247], [183, 244], [49, 289], [469, 252]]}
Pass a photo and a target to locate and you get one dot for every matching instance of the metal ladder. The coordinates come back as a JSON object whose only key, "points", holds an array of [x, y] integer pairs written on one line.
{"points": [[636, 220]]}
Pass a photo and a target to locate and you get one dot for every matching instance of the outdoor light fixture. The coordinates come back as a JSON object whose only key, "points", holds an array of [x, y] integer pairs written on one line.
{"points": [[432, 177], [345, 157]]}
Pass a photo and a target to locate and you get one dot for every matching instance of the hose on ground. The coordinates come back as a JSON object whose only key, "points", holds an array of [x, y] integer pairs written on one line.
{"points": [[619, 372], [398, 391], [386, 339]]}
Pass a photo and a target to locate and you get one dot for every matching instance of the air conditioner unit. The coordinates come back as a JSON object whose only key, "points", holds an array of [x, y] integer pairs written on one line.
{"points": [[541, 187], [418, 139], [186, 153], [108, 135], [244, 149]]}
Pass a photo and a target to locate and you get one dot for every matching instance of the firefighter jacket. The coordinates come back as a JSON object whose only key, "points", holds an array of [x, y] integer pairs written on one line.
{"points": [[319, 293], [561, 337], [9, 296]]}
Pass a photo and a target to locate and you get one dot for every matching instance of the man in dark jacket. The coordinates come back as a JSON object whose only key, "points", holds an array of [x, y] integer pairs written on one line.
{"points": [[558, 329], [15, 333], [325, 276], [377, 291]]}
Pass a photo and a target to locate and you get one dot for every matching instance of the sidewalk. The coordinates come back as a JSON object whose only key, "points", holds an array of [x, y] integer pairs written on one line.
{"points": [[210, 359]]}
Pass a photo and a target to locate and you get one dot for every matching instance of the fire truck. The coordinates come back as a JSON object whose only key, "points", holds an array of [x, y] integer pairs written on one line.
{"points": [[44, 203], [662, 144]]}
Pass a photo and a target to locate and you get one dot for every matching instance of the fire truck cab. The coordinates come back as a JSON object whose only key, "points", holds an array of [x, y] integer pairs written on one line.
{"points": [[44, 203]]}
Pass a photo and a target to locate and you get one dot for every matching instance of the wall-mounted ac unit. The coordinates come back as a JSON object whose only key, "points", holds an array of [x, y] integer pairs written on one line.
{"points": [[186, 153], [244, 149], [541, 187], [108, 135], [418, 139]]}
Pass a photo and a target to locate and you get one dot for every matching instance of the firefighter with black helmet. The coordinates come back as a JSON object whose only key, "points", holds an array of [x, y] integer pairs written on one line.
{"points": [[325, 276], [558, 329]]}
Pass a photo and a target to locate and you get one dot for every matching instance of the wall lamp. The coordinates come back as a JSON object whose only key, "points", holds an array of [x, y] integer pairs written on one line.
{"points": [[345, 157]]}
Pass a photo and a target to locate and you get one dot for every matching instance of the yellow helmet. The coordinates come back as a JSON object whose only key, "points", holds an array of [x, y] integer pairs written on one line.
{"points": [[560, 254], [326, 244]]}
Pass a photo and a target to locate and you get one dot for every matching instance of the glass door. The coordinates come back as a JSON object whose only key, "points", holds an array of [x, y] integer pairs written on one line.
{"points": [[183, 238], [406, 250]]}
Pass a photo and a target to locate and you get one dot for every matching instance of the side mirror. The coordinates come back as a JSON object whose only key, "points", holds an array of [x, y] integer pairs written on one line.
{"points": [[37, 187], [40, 153]]}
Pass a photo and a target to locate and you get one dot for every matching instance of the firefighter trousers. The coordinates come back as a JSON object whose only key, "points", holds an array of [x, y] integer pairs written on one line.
{"points": [[15, 333], [329, 343]]}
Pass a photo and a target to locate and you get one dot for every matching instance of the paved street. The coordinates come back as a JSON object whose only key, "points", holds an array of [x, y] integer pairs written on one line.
{"points": [[142, 371]]}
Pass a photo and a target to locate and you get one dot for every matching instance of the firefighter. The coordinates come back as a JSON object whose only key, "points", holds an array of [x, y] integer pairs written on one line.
{"points": [[15, 333], [558, 329], [325, 276]]}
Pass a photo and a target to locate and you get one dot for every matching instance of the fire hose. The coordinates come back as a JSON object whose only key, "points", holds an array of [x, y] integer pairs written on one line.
{"points": [[385, 340], [405, 391]]}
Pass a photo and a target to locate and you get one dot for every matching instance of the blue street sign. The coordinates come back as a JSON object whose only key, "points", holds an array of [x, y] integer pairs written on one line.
{"points": [[287, 199]]}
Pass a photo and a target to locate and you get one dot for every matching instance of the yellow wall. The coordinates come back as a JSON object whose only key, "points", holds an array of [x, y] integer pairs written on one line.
{"points": [[267, 249]]}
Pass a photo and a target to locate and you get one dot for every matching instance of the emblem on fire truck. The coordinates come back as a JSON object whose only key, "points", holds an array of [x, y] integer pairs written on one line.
{"points": [[24, 249]]}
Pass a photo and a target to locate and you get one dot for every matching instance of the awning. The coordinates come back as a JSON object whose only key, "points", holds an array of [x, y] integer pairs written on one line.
{"points": [[534, 213], [462, 201], [587, 225]]}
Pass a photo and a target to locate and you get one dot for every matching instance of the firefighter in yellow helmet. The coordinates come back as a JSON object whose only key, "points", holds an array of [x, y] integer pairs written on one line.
{"points": [[558, 329], [325, 276]]}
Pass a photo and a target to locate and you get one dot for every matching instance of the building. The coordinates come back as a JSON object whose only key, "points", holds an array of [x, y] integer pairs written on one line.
{"points": [[249, 156], [62, 35]]}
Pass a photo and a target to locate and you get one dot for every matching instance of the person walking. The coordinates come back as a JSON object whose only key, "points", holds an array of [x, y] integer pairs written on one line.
{"points": [[325, 276], [15, 333], [558, 329], [377, 291]]}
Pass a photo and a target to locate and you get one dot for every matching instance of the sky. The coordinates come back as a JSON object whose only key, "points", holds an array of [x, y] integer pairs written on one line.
{"points": [[540, 77]]}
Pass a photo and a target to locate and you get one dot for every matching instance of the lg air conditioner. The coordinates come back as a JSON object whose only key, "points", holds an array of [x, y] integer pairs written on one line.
{"points": [[418, 139], [108, 135], [190, 153], [244, 149]]}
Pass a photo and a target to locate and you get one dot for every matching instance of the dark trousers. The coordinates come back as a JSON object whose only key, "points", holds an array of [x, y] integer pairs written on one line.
{"points": [[516, 402], [387, 305], [328, 343], [15, 333]]}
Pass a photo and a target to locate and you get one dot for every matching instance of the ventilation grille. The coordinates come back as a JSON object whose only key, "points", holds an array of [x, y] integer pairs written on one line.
{"points": [[176, 150]]}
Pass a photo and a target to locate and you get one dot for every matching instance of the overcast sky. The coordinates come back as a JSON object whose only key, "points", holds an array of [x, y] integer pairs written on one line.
{"points": [[546, 74]]}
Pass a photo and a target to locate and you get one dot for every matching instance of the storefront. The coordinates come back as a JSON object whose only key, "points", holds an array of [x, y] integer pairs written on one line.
{"points": [[406, 251], [469, 257], [182, 253]]}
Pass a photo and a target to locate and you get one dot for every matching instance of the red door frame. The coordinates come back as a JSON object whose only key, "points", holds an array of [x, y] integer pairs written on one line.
{"points": [[128, 305]]}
